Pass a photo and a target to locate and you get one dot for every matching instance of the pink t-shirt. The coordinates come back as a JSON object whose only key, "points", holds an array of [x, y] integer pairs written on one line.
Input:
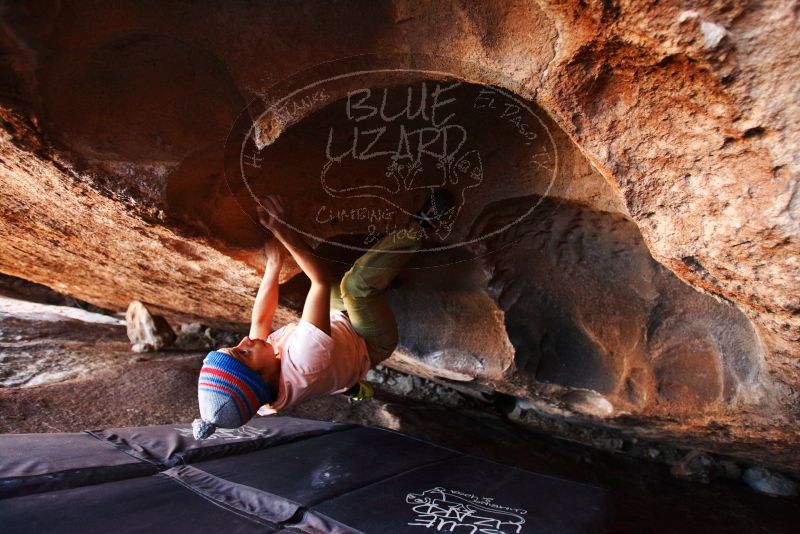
{"points": [[315, 364]]}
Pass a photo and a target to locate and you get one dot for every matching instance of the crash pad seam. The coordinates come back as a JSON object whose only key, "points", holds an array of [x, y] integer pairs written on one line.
{"points": [[55, 484], [173, 474]]}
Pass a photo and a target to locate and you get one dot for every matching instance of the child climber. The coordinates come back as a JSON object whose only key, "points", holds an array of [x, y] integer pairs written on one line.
{"points": [[345, 328]]}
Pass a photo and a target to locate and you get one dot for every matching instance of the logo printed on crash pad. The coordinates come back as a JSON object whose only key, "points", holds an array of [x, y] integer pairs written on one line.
{"points": [[446, 510], [243, 432]]}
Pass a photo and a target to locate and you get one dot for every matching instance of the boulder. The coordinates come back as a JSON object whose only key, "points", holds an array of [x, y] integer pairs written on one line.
{"points": [[697, 466], [147, 332], [774, 484]]}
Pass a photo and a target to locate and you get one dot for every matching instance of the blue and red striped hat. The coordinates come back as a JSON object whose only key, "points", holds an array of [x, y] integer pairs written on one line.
{"points": [[229, 394]]}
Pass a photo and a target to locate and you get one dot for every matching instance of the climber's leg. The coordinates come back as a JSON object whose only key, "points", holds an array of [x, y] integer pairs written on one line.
{"points": [[363, 290]]}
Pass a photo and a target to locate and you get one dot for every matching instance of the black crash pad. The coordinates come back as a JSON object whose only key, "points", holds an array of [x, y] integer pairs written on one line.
{"points": [[466, 493], [170, 445], [314, 470], [31, 463], [281, 474], [145, 504]]}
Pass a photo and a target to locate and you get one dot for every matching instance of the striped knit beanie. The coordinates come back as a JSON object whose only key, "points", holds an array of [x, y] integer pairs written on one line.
{"points": [[229, 393]]}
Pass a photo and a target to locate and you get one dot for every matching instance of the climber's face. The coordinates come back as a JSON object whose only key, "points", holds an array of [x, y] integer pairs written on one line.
{"points": [[258, 355]]}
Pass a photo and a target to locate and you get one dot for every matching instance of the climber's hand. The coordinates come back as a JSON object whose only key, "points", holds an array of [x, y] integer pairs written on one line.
{"points": [[272, 212]]}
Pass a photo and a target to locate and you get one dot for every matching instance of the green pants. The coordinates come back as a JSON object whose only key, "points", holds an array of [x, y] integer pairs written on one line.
{"points": [[362, 292]]}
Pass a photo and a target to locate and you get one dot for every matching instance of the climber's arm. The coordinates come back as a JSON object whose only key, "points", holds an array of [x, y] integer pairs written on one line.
{"points": [[317, 306], [267, 297]]}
